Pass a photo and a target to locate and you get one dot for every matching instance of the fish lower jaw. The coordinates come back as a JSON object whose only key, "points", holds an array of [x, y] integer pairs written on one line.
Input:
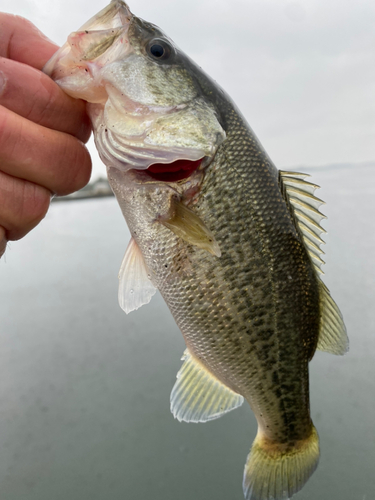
{"points": [[133, 153], [134, 150]]}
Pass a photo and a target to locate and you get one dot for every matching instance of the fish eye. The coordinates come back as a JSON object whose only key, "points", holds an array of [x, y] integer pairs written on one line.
{"points": [[159, 49]]}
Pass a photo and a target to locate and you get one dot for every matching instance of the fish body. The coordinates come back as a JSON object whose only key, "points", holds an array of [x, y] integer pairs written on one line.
{"points": [[231, 243]]}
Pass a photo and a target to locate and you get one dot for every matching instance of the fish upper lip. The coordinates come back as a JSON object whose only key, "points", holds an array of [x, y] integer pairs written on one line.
{"points": [[116, 16]]}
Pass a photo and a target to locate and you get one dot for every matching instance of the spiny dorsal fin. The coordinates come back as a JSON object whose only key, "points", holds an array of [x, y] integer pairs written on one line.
{"points": [[332, 334], [188, 226], [198, 396], [305, 208], [135, 287]]}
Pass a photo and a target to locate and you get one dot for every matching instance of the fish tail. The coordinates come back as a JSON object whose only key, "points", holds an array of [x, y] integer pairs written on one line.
{"points": [[276, 471]]}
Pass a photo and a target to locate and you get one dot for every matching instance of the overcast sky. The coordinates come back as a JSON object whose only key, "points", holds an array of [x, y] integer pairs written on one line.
{"points": [[302, 72]]}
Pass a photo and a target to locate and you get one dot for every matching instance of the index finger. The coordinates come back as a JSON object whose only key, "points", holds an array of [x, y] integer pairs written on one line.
{"points": [[21, 41], [29, 93]]}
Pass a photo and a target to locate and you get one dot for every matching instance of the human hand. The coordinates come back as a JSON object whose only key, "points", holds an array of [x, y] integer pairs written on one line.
{"points": [[42, 131]]}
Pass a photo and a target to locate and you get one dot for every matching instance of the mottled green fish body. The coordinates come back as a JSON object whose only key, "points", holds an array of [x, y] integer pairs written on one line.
{"points": [[232, 244]]}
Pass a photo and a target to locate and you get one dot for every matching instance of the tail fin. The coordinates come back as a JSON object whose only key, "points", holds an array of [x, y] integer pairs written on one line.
{"points": [[276, 471]]}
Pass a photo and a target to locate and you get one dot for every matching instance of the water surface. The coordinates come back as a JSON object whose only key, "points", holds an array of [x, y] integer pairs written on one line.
{"points": [[84, 389]]}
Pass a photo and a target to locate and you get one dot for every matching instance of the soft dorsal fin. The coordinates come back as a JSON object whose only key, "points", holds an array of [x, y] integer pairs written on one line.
{"points": [[135, 287], [332, 334], [198, 396], [304, 206], [188, 226]]}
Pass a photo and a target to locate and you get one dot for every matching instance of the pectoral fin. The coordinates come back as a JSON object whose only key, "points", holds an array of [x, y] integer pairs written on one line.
{"points": [[135, 287], [198, 396], [188, 226]]}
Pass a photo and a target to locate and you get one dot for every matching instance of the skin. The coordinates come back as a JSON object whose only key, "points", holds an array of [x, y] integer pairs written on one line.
{"points": [[42, 131]]}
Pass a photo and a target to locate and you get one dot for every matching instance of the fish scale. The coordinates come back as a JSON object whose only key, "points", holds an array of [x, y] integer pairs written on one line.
{"points": [[232, 277], [244, 331], [237, 221], [232, 244]]}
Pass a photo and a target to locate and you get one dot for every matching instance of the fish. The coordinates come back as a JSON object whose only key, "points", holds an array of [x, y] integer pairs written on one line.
{"points": [[231, 242]]}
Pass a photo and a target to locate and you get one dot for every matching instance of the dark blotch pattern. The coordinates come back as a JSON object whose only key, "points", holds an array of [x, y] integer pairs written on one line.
{"points": [[252, 315]]}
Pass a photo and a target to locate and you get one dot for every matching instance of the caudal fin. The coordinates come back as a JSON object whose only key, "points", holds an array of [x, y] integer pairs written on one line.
{"points": [[276, 471]]}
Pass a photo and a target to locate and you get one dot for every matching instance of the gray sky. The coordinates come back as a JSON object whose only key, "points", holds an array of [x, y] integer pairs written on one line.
{"points": [[302, 72]]}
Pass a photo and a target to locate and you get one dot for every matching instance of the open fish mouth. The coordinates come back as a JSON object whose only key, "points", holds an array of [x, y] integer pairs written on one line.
{"points": [[175, 171]]}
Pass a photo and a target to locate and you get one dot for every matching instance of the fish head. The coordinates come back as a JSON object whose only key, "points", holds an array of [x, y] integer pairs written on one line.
{"points": [[145, 98]]}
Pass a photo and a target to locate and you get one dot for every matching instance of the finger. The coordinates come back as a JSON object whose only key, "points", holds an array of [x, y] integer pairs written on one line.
{"points": [[33, 95], [3, 241], [23, 206], [21, 41], [55, 160]]}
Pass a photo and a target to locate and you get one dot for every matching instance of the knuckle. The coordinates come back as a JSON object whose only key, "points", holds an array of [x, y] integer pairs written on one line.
{"points": [[13, 23], [12, 134], [22, 25]]}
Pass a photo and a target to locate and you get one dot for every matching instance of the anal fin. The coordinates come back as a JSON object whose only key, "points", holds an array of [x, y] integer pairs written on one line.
{"points": [[198, 396], [135, 287]]}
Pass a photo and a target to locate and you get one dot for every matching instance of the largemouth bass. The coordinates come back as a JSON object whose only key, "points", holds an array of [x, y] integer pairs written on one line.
{"points": [[232, 244]]}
